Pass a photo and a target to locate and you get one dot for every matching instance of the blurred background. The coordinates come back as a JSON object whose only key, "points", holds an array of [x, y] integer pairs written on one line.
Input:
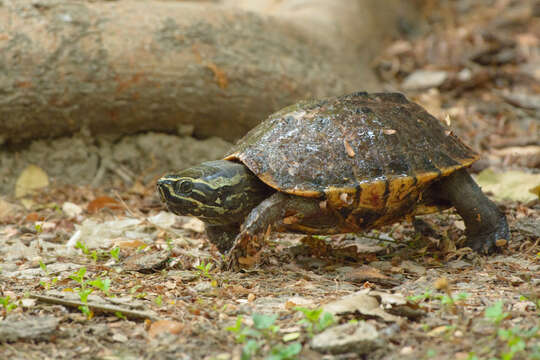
{"points": [[98, 99]]}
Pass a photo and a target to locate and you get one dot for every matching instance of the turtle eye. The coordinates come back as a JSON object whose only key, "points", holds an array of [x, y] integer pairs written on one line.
{"points": [[184, 187]]}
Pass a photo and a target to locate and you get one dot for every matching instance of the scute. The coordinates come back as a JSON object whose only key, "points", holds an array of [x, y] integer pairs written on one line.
{"points": [[377, 148]]}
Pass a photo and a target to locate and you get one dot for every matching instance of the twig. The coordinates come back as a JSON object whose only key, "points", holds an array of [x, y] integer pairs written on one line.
{"points": [[133, 314]]}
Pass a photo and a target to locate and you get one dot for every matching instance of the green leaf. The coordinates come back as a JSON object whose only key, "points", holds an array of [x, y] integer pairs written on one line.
{"points": [[288, 352], [115, 252], [263, 322], [237, 326], [325, 321], [495, 312], [249, 349], [43, 267]]}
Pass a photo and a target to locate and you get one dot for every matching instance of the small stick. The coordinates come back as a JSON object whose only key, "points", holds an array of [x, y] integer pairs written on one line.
{"points": [[133, 314]]}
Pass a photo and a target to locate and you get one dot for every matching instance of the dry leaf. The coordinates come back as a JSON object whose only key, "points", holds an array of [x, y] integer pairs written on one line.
{"points": [[165, 326], [348, 148], [130, 244], [103, 202], [513, 185], [32, 178]]}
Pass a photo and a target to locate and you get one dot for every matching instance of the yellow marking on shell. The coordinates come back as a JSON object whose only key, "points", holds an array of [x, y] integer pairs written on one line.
{"points": [[373, 195], [338, 198], [399, 188]]}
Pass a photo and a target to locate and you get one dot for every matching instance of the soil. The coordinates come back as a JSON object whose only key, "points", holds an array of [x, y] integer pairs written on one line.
{"points": [[105, 272]]}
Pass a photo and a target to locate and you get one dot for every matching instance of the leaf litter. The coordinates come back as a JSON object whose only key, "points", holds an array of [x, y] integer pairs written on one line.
{"points": [[152, 285]]}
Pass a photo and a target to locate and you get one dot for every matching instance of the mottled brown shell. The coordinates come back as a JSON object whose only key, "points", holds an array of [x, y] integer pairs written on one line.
{"points": [[380, 145]]}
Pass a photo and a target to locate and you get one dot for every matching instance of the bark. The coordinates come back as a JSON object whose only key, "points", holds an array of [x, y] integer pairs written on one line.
{"points": [[132, 66]]}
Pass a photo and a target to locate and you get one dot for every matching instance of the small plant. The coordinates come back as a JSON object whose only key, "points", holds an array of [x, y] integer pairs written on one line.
{"points": [[7, 304], [120, 315], [263, 336], [516, 340], [50, 283], [428, 294], [103, 285], [115, 253], [495, 313], [315, 320], [204, 269], [90, 254], [159, 300], [83, 291], [169, 242], [448, 300], [285, 352]]}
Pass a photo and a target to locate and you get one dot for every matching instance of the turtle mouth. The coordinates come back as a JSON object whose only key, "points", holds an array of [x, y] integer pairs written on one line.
{"points": [[161, 194], [162, 190]]}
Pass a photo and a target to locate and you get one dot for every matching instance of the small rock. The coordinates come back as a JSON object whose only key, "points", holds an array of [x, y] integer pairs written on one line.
{"points": [[458, 264], [529, 226], [183, 275], [413, 268], [27, 327], [121, 338], [360, 338], [71, 210], [407, 350], [204, 286], [147, 262], [424, 79], [366, 305]]}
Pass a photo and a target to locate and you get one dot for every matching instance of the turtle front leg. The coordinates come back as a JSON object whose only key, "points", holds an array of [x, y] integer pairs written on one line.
{"points": [[484, 222], [269, 213], [222, 235]]}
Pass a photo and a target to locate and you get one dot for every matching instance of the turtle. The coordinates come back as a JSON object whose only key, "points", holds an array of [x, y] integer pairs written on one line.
{"points": [[343, 164]]}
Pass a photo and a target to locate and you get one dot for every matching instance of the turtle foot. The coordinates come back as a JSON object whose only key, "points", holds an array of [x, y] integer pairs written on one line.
{"points": [[245, 252], [492, 241]]}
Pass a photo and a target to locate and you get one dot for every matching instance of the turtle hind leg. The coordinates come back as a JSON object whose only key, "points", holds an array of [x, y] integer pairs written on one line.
{"points": [[484, 222]]}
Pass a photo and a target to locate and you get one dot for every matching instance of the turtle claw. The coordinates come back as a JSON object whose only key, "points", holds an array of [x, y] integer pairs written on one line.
{"points": [[488, 243], [244, 252]]}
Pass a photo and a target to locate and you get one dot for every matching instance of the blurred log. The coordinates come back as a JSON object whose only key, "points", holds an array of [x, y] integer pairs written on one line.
{"points": [[131, 66]]}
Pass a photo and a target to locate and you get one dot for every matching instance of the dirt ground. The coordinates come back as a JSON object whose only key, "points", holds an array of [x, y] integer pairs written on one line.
{"points": [[107, 273]]}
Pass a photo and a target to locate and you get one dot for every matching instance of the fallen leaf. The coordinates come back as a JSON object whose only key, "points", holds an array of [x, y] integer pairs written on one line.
{"points": [[194, 224], [33, 217], [130, 244], [71, 209], [438, 331], [536, 191], [6, 209], [512, 185], [165, 326], [298, 301], [103, 202], [424, 79], [31, 179], [348, 148]]}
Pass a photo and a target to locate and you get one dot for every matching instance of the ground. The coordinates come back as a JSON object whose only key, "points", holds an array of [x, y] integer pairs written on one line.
{"points": [[108, 273]]}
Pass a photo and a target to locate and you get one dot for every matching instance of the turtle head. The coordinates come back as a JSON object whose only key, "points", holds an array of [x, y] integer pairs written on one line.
{"points": [[217, 192]]}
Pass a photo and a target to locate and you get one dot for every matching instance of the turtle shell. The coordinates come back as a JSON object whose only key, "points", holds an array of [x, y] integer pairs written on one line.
{"points": [[369, 150]]}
